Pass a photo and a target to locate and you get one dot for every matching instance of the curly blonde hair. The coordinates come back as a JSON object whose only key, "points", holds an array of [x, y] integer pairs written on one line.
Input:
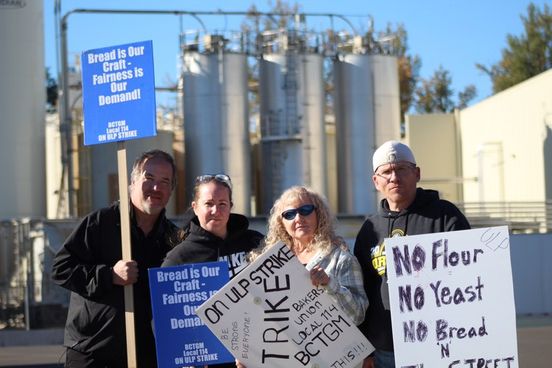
{"points": [[325, 237]]}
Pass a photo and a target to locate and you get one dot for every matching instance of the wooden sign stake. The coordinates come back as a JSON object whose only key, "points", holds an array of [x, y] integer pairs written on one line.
{"points": [[127, 252]]}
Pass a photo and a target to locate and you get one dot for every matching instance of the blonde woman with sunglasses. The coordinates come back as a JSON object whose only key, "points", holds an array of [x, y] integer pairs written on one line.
{"points": [[301, 219]]}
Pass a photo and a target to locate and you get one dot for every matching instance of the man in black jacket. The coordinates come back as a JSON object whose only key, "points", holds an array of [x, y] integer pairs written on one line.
{"points": [[89, 264], [404, 210]]}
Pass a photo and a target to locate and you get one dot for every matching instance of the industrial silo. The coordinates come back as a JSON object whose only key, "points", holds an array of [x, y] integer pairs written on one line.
{"points": [[367, 113], [355, 133], [22, 101], [216, 122], [293, 138], [387, 103]]}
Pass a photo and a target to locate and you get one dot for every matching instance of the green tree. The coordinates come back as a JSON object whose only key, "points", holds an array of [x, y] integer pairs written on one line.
{"points": [[51, 91], [435, 95], [281, 18], [526, 55], [465, 96]]}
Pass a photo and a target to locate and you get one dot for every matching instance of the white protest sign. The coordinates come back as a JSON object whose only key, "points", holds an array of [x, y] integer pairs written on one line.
{"points": [[452, 299], [270, 315]]}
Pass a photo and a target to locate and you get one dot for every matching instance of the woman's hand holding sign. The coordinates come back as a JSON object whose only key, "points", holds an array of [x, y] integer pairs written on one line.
{"points": [[319, 277]]}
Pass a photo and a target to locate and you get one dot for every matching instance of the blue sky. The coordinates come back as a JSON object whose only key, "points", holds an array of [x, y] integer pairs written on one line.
{"points": [[455, 34]]}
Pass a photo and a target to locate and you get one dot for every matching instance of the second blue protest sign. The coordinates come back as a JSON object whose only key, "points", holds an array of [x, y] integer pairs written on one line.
{"points": [[118, 85], [182, 339]]}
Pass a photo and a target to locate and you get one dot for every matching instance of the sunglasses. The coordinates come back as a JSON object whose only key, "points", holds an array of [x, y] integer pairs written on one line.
{"points": [[304, 210], [221, 178]]}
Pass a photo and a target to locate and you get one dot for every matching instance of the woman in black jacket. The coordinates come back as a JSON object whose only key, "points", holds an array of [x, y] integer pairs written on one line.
{"points": [[212, 233]]}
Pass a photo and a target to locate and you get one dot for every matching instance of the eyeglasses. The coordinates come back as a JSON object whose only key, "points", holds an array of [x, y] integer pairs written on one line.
{"points": [[304, 210], [207, 178], [400, 171]]}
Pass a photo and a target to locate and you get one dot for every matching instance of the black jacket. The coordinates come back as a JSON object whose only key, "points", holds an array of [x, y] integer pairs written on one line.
{"points": [[83, 265], [201, 245], [427, 214]]}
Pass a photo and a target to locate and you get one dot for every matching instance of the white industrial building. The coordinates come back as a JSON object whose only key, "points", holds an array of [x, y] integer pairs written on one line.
{"points": [[507, 144], [494, 157], [434, 138]]}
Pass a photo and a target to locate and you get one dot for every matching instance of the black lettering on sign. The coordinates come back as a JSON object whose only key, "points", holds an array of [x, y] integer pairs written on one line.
{"points": [[403, 259], [413, 332], [453, 259], [405, 297]]}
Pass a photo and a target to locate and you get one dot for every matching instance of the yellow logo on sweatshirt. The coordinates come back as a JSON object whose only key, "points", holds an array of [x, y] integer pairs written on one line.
{"points": [[378, 259], [379, 262]]}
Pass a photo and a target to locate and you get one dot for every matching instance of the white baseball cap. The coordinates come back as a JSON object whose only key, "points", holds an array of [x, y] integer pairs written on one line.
{"points": [[392, 152]]}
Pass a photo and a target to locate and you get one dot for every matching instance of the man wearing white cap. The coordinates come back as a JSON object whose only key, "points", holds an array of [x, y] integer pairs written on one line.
{"points": [[404, 210]]}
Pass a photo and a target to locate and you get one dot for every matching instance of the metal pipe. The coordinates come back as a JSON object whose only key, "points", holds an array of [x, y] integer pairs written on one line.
{"points": [[66, 121]]}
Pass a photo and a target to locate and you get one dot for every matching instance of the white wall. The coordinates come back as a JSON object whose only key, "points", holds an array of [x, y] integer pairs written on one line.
{"points": [[433, 139], [506, 143]]}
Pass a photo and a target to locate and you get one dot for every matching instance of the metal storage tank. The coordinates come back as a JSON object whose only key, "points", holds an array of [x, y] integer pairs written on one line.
{"points": [[22, 101], [387, 104], [355, 132], [103, 167], [293, 134], [311, 89], [216, 122], [367, 109]]}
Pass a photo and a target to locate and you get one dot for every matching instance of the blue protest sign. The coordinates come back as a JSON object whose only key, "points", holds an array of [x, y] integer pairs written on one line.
{"points": [[118, 93], [181, 338]]}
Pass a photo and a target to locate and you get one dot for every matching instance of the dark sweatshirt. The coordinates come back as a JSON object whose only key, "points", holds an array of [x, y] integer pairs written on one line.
{"points": [[201, 245], [427, 214]]}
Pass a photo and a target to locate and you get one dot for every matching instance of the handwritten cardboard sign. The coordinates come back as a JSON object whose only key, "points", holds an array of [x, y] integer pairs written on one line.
{"points": [[452, 300], [181, 338], [270, 315]]}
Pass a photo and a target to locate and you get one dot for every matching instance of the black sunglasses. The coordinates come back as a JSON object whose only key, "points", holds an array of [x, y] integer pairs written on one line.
{"points": [[304, 210], [207, 178]]}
